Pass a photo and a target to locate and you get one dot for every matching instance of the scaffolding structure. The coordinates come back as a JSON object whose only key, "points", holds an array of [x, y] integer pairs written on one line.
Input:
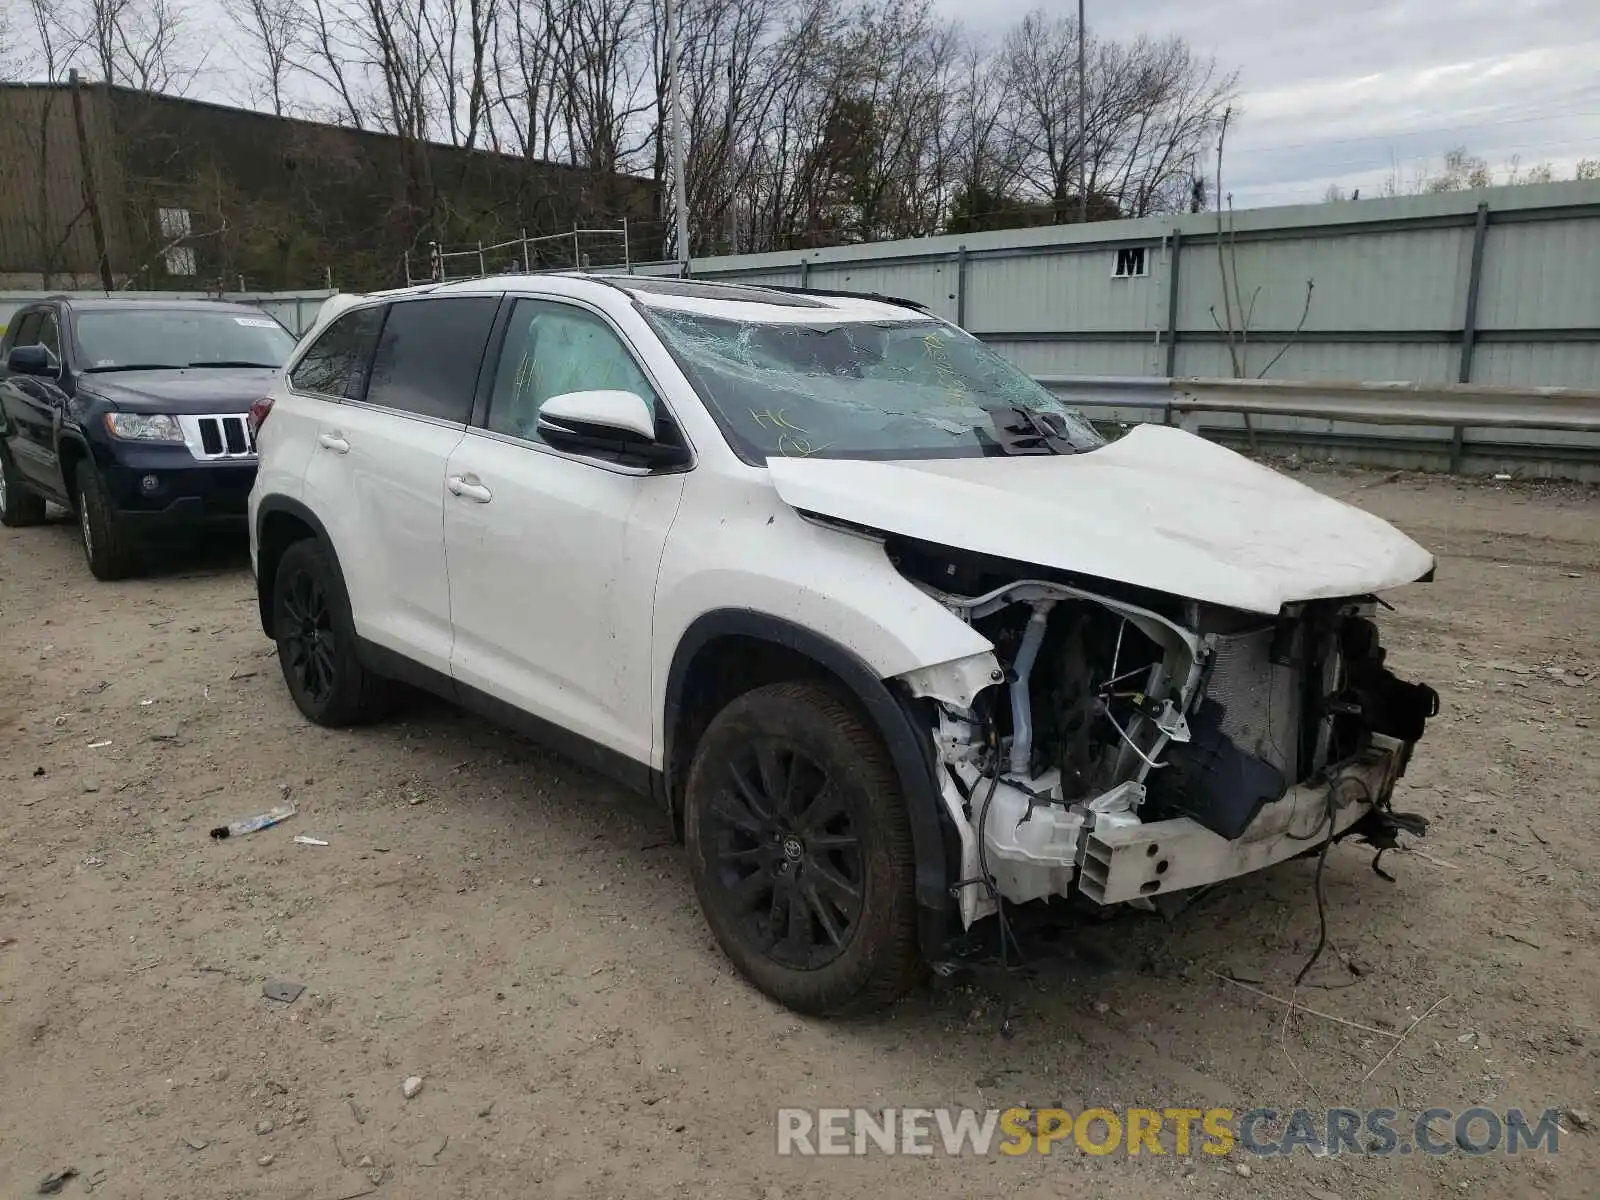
{"points": [[580, 250]]}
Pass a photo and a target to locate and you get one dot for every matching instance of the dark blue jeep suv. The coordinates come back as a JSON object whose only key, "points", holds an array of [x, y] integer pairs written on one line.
{"points": [[134, 414]]}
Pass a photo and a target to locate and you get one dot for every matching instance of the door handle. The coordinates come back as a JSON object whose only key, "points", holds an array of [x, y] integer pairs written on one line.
{"points": [[334, 442], [468, 488]]}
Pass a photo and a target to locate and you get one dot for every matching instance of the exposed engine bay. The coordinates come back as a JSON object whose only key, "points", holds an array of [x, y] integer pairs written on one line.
{"points": [[1137, 745]]}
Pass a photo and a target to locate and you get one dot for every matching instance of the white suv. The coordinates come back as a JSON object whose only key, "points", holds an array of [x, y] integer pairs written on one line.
{"points": [[898, 639]]}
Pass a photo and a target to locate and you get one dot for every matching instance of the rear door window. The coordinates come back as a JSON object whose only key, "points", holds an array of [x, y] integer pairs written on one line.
{"points": [[428, 356], [338, 361]]}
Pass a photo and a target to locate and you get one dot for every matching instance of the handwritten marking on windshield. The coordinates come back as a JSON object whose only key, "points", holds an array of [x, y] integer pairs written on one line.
{"points": [[788, 445], [949, 379]]}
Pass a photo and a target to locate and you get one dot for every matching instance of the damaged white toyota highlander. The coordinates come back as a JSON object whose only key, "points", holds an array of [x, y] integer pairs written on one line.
{"points": [[902, 644]]}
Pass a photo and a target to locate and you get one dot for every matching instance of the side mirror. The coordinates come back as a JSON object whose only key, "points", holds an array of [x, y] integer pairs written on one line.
{"points": [[611, 423], [32, 360]]}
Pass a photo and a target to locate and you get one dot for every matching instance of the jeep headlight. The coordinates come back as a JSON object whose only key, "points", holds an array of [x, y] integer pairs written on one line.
{"points": [[144, 427]]}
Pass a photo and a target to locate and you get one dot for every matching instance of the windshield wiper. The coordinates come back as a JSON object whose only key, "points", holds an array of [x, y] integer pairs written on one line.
{"points": [[134, 367], [1020, 430], [235, 362]]}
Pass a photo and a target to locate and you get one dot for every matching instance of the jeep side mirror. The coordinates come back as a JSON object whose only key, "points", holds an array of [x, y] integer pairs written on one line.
{"points": [[32, 360]]}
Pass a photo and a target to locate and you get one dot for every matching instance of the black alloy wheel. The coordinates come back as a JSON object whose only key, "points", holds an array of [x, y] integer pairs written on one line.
{"points": [[317, 644], [308, 631], [786, 854], [799, 843]]}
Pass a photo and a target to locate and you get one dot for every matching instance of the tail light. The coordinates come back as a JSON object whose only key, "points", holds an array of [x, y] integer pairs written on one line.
{"points": [[258, 415]]}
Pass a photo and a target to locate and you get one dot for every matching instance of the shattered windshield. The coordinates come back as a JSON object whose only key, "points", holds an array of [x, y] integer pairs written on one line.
{"points": [[859, 389]]}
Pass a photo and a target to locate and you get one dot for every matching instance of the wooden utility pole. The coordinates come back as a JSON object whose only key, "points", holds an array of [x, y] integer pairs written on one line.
{"points": [[91, 195]]}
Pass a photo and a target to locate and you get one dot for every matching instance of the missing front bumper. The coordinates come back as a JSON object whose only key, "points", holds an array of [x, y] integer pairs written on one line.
{"points": [[1122, 862]]}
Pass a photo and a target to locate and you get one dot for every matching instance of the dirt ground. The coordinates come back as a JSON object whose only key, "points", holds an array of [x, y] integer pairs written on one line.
{"points": [[524, 936]]}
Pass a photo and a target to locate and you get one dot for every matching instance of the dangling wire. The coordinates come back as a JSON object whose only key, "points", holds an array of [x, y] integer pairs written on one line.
{"points": [[1006, 935]]}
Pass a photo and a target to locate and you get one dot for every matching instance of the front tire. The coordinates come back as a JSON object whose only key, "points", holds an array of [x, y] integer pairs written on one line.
{"points": [[316, 639], [800, 848], [107, 545], [18, 506]]}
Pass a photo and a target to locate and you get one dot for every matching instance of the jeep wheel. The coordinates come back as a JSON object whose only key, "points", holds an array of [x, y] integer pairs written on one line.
{"points": [[800, 848], [18, 506], [106, 544], [317, 641]]}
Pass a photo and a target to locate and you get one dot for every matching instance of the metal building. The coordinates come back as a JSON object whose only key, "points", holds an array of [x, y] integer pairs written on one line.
{"points": [[1494, 286]]}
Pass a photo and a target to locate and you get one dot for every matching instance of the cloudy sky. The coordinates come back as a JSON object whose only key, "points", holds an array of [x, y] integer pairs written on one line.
{"points": [[1342, 90]]}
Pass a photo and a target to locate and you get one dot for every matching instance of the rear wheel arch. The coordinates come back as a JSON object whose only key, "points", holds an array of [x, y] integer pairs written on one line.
{"points": [[727, 652], [280, 523]]}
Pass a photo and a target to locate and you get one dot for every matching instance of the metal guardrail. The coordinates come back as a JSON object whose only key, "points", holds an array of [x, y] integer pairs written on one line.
{"points": [[1469, 405], [1456, 407]]}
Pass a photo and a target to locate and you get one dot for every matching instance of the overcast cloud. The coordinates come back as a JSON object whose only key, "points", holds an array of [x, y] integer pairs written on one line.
{"points": [[1343, 90]]}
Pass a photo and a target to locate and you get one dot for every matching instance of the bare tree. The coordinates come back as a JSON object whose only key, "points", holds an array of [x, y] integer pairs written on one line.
{"points": [[142, 44], [275, 31]]}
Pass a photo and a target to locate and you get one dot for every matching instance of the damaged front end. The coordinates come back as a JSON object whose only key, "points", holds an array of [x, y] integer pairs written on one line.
{"points": [[1132, 746]]}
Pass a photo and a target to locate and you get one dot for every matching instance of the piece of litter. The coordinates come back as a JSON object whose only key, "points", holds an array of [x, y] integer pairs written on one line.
{"points": [[96, 746], [428, 1152], [251, 824], [411, 1087], [1502, 478], [302, 840], [146, 703], [51, 1184], [286, 990]]}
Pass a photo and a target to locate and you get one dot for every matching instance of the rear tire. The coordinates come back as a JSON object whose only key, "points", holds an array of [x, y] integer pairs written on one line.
{"points": [[800, 848], [107, 545], [18, 506], [316, 638]]}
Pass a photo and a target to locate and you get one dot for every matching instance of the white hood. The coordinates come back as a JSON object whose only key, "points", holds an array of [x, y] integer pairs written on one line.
{"points": [[1158, 508]]}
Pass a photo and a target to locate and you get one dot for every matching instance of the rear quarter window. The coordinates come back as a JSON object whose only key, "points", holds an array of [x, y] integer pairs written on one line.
{"points": [[336, 364]]}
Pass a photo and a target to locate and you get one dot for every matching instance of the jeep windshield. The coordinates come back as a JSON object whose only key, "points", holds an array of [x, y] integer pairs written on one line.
{"points": [[865, 389], [153, 339]]}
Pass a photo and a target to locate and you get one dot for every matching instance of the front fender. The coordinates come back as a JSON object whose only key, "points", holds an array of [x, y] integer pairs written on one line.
{"points": [[757, 569]]}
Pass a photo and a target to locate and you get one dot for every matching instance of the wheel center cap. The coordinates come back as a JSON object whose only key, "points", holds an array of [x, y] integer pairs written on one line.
{"points": [[792, 849]]}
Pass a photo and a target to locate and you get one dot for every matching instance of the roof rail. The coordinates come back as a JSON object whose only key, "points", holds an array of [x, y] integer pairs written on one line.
{"points": [[845, 295]]}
